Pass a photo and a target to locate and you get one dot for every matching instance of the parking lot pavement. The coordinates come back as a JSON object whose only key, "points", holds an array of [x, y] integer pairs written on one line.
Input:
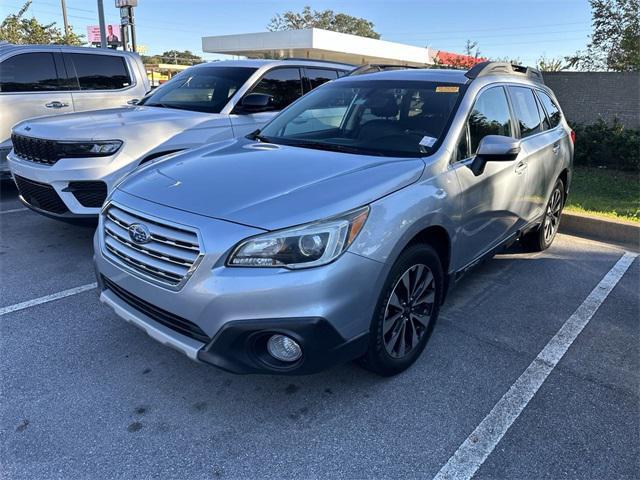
{"points": [[85, 395]]}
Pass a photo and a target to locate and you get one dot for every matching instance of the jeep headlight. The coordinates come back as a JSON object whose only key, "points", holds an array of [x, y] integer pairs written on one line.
{"points": [[89, 149], [304, 246]]}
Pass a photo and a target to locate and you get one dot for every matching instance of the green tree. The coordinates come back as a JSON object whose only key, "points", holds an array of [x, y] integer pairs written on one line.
{"points": [[545, 64], [19, 30], [615, 41], [175, 57], [325, 19]]}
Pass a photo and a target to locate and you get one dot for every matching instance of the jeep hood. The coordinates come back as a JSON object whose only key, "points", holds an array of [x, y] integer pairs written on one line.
{"points": [[141, 125], [270, 186]]}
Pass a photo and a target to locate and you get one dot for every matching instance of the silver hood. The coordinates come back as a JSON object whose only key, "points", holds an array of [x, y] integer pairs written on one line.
{"points": [[140, 128], [270, 186]]}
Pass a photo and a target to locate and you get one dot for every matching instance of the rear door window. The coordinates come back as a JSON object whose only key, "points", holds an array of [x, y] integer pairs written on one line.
{"points": [[100, 72], [319, 76], [29, 72], [283, 84], [526, 111], [553, 112]]}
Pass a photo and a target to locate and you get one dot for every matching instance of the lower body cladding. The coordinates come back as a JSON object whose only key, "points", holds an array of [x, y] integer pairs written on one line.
{"points": [[247, 320]]}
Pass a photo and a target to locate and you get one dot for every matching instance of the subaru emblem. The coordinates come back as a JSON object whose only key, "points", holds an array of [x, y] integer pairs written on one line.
{"points": [[139, 233]]}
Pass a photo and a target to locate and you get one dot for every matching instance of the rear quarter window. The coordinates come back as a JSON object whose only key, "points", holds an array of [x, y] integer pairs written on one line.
{"points": [[553, 112]]}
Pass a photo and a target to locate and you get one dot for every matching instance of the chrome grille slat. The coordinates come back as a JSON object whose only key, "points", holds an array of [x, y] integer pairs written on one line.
{"points": [[155, 237], [170, 256], [135, 247], [144, 259], [131, 261], [176, 253], [178, 235]]}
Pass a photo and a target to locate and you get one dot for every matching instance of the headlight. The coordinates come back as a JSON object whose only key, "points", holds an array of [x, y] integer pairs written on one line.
{"points": [[89, 149], [301, 247]]}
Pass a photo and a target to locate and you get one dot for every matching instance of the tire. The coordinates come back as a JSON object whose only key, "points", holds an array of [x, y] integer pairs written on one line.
{"points": [[412, 323], [542, 237]]}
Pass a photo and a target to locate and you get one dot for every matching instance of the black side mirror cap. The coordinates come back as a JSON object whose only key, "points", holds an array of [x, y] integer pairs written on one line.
{"points": [[257, 102]]}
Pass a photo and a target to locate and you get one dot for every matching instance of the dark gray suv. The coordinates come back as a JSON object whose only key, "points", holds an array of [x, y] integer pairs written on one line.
{"points": [[335, 232]]}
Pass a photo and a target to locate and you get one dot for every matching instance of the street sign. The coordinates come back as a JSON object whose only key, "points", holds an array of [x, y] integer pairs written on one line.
{"points": [[126, 3]]}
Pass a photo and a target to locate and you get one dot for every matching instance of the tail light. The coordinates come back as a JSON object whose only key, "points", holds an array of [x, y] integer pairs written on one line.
{"points": [[573, 137]]}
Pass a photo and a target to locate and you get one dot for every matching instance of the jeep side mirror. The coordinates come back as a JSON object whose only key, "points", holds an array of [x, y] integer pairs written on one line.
{"points": [[494, 148], [257, 102]]}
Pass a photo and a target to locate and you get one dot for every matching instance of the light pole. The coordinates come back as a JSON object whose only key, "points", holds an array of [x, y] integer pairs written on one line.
{"points": [[103, 30], [64, 19]]}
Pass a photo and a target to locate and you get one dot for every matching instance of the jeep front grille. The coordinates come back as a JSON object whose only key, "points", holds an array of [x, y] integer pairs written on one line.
{"points": [[36, 149], [170, 255]]}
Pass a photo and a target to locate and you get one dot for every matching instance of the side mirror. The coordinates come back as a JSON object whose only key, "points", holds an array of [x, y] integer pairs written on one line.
{"points": [[257, 102], [494, 148]]}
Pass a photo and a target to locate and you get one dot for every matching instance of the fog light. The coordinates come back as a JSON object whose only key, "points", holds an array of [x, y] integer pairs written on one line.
{"points": [[284, 348]]}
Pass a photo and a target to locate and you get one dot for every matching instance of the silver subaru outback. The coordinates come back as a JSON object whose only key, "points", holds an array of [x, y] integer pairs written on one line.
{"points": [[335, 232]]}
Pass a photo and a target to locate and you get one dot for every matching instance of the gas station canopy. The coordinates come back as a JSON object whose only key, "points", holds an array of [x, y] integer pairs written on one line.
{"points": [[318, 44]]}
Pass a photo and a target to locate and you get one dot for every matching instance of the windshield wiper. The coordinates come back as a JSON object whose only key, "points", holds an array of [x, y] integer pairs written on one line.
{"points": [[255, 135], [166, 105], [333, 147]]}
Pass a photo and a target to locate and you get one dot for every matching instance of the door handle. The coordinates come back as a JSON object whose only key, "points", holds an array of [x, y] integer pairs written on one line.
{"points": [[133, 101], [520, 167], [56, 104], [556, 148]]}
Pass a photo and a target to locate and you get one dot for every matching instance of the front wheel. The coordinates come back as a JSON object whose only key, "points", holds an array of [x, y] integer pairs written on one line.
{"points": [[406, 312], [542, 237]]}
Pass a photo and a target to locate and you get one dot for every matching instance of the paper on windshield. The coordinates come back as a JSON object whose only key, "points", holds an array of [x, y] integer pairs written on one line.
{"points": [[428, 141]]}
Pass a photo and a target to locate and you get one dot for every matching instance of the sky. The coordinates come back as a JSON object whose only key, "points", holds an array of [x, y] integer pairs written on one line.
{"points": [[516, 29]]}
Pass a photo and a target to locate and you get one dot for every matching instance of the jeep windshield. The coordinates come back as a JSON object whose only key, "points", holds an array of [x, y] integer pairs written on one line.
{"points": [[201, 89], [369, 117]]}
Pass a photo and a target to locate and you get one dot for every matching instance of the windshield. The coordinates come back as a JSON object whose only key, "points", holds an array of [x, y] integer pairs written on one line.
{"points": [[375, 117], [202, 89]]}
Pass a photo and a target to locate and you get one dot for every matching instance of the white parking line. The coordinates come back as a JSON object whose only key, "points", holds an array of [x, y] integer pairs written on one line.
{"points": [[47, 298], [478, 446], [13, 210]]}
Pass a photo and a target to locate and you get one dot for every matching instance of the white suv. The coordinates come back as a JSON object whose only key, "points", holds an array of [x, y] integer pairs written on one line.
{"points": [[66, 166], [43, 80]]}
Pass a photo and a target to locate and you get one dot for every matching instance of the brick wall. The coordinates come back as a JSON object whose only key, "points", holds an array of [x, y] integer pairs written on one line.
{"points": [[587, 96]]}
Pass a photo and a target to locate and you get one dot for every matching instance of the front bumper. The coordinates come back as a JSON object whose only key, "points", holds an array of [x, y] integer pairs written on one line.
{"points": [[76, 187], [5, 173], [240, 345], [327, 309]]}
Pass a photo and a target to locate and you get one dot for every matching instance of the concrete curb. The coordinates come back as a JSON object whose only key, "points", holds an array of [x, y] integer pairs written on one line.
{"points": [[607, 230]]}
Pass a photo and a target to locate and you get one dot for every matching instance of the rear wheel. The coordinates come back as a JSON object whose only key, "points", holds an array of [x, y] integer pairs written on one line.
{"points": [[406, 312], [542, 237]]}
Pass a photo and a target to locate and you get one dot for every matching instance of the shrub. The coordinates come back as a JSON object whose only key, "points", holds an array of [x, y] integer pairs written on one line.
{"points": [[607, 145]]}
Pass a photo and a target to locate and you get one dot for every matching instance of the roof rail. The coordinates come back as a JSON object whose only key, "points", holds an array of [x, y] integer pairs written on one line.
{"points": [[379, 67], [492, 68], [298, 59]]}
